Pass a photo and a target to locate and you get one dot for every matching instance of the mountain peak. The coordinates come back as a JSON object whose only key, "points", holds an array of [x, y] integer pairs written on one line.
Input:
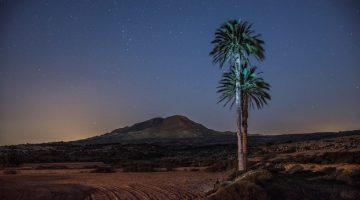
{"points": [[179, 121], [179, 117]]}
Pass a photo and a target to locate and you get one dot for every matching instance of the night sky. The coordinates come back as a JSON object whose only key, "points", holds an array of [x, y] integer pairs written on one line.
{"points": [[74, 69]]}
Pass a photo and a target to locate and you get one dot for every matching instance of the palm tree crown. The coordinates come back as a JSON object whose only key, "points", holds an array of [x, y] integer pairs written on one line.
{"points": [[236, 38], [252, 87]]}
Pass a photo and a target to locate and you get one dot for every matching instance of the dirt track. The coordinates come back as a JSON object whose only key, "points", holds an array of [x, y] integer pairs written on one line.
{"points": [[72, 184]]}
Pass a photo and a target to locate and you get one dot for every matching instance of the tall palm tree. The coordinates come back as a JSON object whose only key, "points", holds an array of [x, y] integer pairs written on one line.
{"points": [[254, 94], [235, 42]]}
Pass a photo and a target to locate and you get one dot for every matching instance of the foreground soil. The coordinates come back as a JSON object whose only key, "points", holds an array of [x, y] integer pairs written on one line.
{"points": [[287, 167], [81, 184]]}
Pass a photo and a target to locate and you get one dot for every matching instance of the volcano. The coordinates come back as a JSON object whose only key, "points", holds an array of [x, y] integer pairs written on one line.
{"points": [[173, 127]]}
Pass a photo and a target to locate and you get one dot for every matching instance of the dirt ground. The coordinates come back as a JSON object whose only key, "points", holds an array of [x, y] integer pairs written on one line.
{"points": [[58, 184]]}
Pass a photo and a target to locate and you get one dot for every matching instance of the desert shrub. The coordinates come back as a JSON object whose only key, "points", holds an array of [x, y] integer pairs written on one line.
{"points": [[349, 177], [221, 166], [11, 158], [270, 166], [10, 171], [240, 190], [328, 170], [290, 149], [140, 167], [169, 168], [90, 166], [233, 174], [295, 169], [44, 167], [2, 161], [168, 164], [342, 157], [256, 176], [351, 157], [312, 166], [104, 169], [269, 156], [268, 144], [355, 177]]}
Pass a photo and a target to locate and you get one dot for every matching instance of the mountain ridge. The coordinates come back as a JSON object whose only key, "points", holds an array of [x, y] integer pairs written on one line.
{"points": [[172, 127]]}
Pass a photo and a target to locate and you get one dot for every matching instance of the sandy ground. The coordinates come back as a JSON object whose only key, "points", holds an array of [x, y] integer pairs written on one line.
{"points": [[81, 184]]}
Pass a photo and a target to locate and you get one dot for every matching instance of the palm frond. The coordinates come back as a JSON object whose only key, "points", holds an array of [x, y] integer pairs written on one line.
{"points": [[253, 87], [236, 38]]}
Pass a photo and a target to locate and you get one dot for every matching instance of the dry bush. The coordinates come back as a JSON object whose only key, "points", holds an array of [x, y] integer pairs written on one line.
{"points": [[104, 169], [351, 177], [256, 176], [90, 167], [246, 186], [221, 166], [11, 158], [194, 169], [350, 157], [328, 170], [140, 167], [10, 171], [232, 175], [47, 167], [295, 169], [244, 190], [169, 168]]}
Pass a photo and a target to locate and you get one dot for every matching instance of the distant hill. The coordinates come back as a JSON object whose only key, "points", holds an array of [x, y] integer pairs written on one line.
{"points": [[180, 129], [173, 127]]}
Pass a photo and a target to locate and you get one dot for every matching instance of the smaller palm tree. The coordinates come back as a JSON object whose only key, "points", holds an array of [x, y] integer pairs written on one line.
{"points": [[254, 94]]}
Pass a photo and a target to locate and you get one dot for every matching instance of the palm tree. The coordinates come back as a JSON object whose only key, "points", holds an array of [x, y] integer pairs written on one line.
{"points": [[235, 42], [254, 94]]}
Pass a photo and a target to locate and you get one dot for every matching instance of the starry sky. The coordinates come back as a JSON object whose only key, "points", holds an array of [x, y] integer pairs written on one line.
{"points": [[75, 69]]}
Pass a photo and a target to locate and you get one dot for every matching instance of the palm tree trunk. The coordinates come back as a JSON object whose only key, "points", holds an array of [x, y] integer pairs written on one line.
{"points": [[245, 115], [240, 155], [238, 120]]}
